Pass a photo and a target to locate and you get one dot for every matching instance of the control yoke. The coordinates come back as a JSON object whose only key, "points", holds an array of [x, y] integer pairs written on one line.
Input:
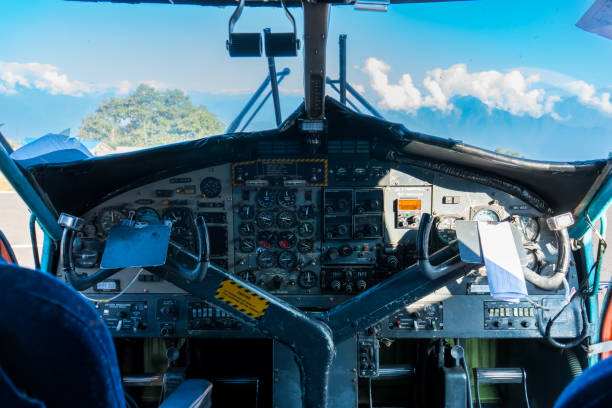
{"points": [[311, 339]]}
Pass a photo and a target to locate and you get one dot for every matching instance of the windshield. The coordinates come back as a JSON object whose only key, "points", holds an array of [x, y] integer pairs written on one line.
{"points": [[517, 77]]}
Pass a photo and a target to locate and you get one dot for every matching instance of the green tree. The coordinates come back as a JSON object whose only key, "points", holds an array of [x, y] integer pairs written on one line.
{"points": [[147, 117]]}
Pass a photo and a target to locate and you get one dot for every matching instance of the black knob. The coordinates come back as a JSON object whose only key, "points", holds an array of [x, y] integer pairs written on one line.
{"points": [[372, 229], [374, 204], [335, 285], [348, 275], [496, 324], [392, 261], [333, 254], [277, 281], [525, 323], [361, 285], [341, 205], [346, 250], [341, 229], [349, 288]]}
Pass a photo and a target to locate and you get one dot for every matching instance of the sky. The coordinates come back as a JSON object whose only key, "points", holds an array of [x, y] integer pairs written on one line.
{"points": [[524, 60]]}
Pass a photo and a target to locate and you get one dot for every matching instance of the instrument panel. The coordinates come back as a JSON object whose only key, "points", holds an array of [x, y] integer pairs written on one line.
{"points": [[315, 231]]}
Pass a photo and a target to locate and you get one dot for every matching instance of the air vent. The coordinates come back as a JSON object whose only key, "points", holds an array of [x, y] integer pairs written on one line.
{"points": [[278, 148], [348, 146]]}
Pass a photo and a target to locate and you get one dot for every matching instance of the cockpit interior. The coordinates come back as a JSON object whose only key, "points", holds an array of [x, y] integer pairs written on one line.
{"points": [[340, 260]]}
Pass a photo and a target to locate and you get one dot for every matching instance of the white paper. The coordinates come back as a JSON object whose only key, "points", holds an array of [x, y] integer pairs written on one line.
{"points": [[502, 261], [598, 19]]}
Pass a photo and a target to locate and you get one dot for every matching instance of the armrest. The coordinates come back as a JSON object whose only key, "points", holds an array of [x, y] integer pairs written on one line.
{"points": [[190, 394]]}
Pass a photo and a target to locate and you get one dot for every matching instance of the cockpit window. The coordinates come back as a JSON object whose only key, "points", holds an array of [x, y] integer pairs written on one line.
{"points": [[517, 78]]}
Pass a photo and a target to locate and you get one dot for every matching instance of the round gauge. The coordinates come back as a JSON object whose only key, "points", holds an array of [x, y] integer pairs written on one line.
{"points": [[246, 212], [287, 260], [286, 240], [286, 219], [210, 187], [266, 259], [307, 279], [531, 260], [529, 227], [246, 228], [146, 214], [266, 198], [486, 214], [264, 238], [90, 230], [265, 219], [445, 228], [109, 217], [247, 245], [305, 245], [286, 198], [306, 229], [306, 212]]}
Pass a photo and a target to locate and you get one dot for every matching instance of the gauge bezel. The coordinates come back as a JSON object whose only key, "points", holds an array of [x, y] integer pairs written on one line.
{"points": [[439, 220], [282, 225], [520, 227], [273, 258], [103, 230], [288, 267], [292, 192], [269, 203], [496, 210], [218, 186], [265, 212]]}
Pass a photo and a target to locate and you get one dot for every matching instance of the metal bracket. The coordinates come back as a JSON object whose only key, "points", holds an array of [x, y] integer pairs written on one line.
{"points": [[597, 348]]}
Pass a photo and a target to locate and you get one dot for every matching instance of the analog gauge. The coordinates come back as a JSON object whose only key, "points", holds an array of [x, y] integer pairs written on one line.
{"points": [[306, 229], [286, 240], [246, 212], [266, 259], [446, 229], [246, 228], [286, 198], [286, 219], [486, 214], [531, 260], [307, 279], [529, 227], [306, 212], [247, 245], [210, 187], [265, 219], [305, 245], [264, 238], [109, 217], [287, 260], [90, 230], [146, 214], [266, 198]]}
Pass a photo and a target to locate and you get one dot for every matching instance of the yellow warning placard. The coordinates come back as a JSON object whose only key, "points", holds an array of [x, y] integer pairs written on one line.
{"points": [[241, 298]]}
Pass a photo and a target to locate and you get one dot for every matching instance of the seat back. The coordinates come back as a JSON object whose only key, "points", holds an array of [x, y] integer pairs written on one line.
{"points": [[54, 347], [6, 252]]}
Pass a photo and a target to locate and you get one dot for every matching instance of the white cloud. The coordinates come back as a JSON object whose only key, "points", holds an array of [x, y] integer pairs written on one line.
{"points": [[514, 91], [586, 94], [48, 78], [45, 77]]}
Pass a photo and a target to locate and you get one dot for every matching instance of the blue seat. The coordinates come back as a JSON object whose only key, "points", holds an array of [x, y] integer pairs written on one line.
{"points": [[54, 347], [592, 389], [55, 350]]}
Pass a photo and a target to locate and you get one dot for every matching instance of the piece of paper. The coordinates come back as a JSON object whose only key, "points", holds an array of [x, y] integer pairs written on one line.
{"points": [[598, 19], [502, 261]]}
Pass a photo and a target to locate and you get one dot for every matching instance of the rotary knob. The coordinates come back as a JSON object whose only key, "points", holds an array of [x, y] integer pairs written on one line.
{"points": [[335, 285], [333, 254], [345, 250]]}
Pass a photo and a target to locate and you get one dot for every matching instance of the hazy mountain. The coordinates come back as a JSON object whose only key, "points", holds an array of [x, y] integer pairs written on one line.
{"points": [[583, 134]]}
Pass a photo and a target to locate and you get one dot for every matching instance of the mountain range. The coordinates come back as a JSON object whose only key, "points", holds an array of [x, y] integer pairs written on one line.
{"points": [[583, 133]]}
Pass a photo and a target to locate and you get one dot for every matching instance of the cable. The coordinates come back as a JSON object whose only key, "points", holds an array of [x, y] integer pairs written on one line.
{"points": [[118, 294], [573, 362], [131, 402], [370, 390]]}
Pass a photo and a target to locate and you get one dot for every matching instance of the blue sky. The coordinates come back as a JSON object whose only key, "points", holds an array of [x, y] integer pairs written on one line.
{"points": [[524, 58]]}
